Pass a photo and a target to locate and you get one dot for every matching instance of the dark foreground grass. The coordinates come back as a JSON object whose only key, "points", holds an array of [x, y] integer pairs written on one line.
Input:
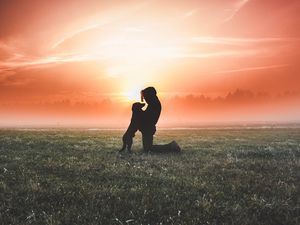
{"points": [[221, 177]]}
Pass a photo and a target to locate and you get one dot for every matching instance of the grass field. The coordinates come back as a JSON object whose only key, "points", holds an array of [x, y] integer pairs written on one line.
{"points": [[238, 176]]}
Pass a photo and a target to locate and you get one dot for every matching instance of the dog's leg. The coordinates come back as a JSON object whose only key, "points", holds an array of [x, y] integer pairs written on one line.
{"points": [[123, 148], [129, 144], [124, 144]]}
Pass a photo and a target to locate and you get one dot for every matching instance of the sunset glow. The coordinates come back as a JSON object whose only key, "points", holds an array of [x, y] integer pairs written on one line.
{"points": [[211, 61]]}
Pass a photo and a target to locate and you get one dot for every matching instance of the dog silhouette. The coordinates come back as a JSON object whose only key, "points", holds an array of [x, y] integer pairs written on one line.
{"points": [[133, 126]]}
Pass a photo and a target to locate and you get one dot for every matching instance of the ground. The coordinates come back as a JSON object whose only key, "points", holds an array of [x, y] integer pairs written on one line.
{"points": [[222, 176]]}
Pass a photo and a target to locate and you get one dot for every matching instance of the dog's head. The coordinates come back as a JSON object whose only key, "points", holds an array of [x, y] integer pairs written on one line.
{"points": [[148, 94], [137, 106]]}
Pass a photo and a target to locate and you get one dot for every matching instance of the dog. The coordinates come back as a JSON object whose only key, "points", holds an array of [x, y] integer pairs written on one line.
{"points": [[133, 126]]}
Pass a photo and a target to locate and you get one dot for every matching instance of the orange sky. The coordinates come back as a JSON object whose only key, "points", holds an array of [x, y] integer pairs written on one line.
{"points": [[85, 61]]}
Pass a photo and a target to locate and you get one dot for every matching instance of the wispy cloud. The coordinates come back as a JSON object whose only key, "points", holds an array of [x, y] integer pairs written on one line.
{"points": [[177, 48], [135, 44], [26, 62], [240, 41], [190, 13], [245, 69], [133, 29], [236, 8], [217, 54], [212, 47], [77, 32]]}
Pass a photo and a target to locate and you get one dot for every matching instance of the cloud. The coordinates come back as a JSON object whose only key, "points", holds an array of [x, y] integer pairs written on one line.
{"points": [[218, 47], [26, 62], [236, 8], [217, 54], [74, 34], [178, 48], [71, 46], [190, 13], [242, 41], [133, 29], [252, 69], [263, 18]]}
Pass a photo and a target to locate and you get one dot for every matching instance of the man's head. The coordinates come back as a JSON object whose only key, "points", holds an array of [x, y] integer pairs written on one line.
{"points": [[137, 106], [148, 94]]}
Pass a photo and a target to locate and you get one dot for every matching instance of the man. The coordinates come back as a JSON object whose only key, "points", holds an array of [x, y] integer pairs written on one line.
{"points": [[148, 123], [149, 117]]}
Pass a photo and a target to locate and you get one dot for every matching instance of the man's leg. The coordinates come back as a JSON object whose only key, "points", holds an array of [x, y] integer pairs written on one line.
{"points": [[166, 148], [147, 142]]}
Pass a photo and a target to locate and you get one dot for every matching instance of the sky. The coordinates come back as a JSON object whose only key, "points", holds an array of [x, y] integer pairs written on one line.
{"points": [[84, 62]]}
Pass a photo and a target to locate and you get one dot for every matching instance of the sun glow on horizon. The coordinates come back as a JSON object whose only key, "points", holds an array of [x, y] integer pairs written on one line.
{"points": [[131, 95], [135, 52], [136, 56]]}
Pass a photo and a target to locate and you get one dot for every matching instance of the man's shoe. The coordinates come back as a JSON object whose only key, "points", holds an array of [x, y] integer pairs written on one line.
{"points": [[175, 147]]}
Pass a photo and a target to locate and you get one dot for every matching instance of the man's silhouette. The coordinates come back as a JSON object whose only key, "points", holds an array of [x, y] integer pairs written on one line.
{"points": [[148, 123], [150, 117]]}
